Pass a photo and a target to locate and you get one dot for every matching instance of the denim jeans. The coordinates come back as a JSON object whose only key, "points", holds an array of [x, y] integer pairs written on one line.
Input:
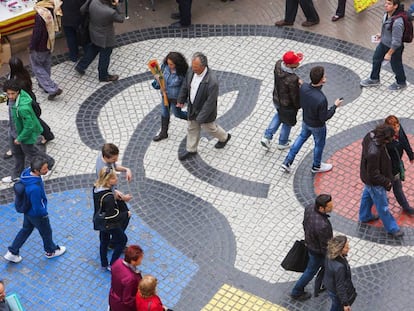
{"points": [[319, 137], [104, 57], [273, 127], [314, 264], [119, 240], [165, 111], [397, 188], [336, 303], [42, 224], [377, 195], [396, 63]]}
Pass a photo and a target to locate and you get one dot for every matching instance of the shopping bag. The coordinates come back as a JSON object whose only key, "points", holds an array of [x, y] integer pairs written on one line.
{"points": [[361, 5], [14, 303], [297, 258]]}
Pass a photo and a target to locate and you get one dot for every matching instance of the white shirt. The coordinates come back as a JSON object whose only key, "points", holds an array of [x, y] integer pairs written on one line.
{"points": [[195, 84]]}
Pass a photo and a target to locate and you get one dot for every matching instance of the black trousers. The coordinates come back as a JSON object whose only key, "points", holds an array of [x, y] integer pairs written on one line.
{"points": [[340, 10], [184, 7], [307, 7]]}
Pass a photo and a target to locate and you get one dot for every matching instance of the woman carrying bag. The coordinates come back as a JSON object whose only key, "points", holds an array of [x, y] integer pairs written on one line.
{"points": [[108, 217]]}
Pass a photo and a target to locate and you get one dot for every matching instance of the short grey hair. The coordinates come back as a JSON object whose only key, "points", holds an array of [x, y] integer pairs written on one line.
{"points": [[201, 57]]}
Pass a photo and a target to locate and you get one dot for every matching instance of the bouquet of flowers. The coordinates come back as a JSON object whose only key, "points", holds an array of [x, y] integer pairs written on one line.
{"points": [[155, 69]]}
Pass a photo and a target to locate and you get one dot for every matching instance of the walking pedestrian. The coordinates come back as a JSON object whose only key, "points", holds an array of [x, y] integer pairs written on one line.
{"points": [[291, 10], [37, 216], [318, 231]]}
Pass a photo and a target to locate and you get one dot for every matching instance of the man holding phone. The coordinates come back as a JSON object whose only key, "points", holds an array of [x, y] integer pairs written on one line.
{"points": [[315, 114]]}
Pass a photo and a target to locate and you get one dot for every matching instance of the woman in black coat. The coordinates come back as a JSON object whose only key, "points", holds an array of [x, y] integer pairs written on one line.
{"points": [[337, 279], [115, 216], [396, 149]]}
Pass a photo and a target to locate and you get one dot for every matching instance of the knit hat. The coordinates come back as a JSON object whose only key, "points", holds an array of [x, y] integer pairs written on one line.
{"points": [[291, 58]]}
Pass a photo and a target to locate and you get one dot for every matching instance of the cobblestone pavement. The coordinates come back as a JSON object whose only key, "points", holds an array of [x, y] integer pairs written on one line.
{"points": [[214, 229]]}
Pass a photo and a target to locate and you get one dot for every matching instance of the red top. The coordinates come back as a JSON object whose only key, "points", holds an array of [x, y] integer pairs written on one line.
{"points": [[152, 303]]}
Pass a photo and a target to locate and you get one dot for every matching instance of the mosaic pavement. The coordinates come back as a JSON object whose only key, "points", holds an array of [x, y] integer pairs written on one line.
{"points": [[215, 228]]}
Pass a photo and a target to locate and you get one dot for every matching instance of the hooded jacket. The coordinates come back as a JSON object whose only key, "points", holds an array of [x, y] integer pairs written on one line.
{"points": [[35, 190], [28, 127]]}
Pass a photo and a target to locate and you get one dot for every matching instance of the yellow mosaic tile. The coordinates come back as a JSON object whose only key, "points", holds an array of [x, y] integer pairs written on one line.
{"points": [[234, 299]]}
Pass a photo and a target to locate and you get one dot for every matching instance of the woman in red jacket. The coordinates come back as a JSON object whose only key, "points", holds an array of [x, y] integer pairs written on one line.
{"points": [[125, 279], [147, 299]]}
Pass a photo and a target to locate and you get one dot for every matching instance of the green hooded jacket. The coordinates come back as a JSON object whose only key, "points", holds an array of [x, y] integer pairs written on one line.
{"points": [[28, 127]]}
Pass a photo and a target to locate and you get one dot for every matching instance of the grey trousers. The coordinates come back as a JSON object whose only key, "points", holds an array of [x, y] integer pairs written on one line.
{"points": [[193, 135], [41, 63], [21, 151]]}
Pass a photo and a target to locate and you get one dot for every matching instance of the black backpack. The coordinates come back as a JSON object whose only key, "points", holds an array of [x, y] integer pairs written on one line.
{"points": [[408, 25], [22, 202]]}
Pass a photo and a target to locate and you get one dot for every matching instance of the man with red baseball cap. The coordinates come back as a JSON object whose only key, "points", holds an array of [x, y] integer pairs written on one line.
{"points": [[285, 99]]}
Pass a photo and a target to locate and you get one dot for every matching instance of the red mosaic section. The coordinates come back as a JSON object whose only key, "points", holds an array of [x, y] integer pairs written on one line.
{"points": [[345, 186]]}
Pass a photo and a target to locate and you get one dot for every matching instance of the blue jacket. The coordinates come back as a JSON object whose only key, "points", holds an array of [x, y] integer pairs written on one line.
{"points": [[173, 83], [35, 190]]}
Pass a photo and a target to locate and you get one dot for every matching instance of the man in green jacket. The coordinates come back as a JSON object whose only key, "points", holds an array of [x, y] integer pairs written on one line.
{"points": [[24, 129]]}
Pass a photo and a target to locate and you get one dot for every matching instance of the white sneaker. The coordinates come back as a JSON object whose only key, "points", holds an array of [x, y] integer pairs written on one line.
{"points": [[7, 180], [60, 251], [325, 167], [283, 147], [265, 143], [285, 167], [13, 258]]}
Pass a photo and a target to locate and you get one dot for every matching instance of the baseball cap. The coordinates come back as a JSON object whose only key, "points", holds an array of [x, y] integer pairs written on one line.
{"points": [[290, 58]]}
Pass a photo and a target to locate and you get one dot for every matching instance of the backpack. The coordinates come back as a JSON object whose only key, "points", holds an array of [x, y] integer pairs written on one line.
{"points": [[36, 108], [408, 25], [22, 202]]}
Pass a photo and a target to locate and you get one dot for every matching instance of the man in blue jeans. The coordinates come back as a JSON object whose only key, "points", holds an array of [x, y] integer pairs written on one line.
{"points": [[390, 48], [37, 216], [376, 174], [285, 99], [318, 231], [315, 114]]}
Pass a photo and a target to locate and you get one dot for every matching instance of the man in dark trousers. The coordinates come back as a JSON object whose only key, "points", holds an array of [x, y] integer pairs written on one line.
{"points": [[312, 17], [318, 231], [376, 174], [184, 8], [200, 89]]}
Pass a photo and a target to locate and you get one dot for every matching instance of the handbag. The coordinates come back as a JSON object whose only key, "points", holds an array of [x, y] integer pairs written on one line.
{"points": [[361, 5], [297, 258], [99, 218]]}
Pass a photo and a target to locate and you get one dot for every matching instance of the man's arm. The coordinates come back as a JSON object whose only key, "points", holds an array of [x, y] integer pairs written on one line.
{"points": [[120, 168]]}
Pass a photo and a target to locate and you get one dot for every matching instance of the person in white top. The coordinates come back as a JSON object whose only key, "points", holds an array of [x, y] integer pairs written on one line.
{"points": [[200, 90]]}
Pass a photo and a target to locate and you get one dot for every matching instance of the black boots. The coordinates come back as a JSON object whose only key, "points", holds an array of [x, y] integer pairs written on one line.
{"points": [[164, 129]]}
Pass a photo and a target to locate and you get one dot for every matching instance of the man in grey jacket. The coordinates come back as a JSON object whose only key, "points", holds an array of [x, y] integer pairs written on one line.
{"points": [[200, 89], [390, 48], [102, 15]]}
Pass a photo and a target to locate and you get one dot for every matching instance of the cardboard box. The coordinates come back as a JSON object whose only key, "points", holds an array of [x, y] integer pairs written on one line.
{"points": [[5, 51], [20, 41]]}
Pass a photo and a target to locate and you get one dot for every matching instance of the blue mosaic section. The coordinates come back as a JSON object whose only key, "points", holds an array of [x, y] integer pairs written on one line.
{"points": [[75, 281]]}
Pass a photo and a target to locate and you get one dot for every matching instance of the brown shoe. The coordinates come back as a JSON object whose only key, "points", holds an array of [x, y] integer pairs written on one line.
{"points": [[110, 78], [309, 23], [283, 23]]}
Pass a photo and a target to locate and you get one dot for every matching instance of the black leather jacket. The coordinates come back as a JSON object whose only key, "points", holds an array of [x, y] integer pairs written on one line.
{"points": [[318, 230], [338, 279]]}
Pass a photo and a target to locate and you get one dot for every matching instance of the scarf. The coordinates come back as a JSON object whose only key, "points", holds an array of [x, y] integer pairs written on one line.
{"points": [[52, 21]]}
